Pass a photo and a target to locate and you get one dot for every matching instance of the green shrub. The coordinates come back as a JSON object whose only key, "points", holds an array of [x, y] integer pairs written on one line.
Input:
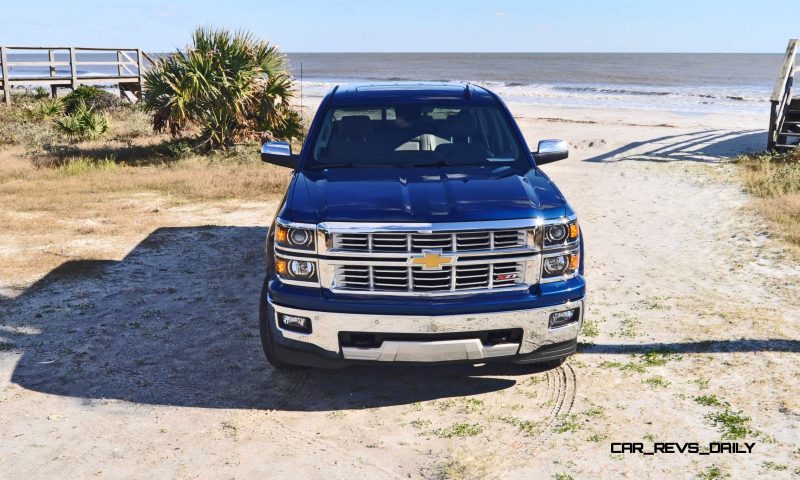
{"points": [[179, 149], [229, 86], [83, 124], [29, 123], [40, 93], [39, 110], [49, 107], [93, 97], [78, 166]]}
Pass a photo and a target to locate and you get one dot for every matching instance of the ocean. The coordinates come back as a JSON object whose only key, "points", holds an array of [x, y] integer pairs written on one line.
{"points": [[679, 82]]}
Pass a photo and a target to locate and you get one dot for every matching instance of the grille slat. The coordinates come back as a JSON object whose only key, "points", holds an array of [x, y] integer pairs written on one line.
{"points": [[380, 278], [416, 242]]}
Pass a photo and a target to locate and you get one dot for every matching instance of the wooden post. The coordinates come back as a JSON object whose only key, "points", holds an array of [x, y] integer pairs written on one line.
{"points": [[53, 88], [73, 68], [139, 64], [119, 61], [772, 136], [6, 81], [119, 73], [52, 55]]}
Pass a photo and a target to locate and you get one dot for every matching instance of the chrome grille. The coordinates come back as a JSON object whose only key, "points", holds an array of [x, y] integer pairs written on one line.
{"points": [[401, 278], [415, 242]]}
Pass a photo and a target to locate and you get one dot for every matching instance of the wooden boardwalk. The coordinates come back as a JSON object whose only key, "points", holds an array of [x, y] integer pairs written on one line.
{"points": [[784, 114], [71, 67]]}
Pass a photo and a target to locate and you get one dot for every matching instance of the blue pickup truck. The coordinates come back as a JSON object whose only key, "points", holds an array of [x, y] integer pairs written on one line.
{"points": [[418, 227]]}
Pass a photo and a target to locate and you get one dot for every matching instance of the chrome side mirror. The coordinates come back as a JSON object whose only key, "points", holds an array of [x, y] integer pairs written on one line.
{"points": [[279, 153], [551, 151]]}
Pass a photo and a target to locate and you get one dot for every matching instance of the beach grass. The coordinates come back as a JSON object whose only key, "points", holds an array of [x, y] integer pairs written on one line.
{"points": [[774, 178], [44, 168], [57, 191]]}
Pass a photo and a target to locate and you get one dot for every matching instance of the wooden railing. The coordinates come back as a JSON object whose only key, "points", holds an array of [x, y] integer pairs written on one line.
{"points": [[782, 94], [123, 67]]}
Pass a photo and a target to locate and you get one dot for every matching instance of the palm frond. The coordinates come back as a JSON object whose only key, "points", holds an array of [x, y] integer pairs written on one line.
{"points": [[228, 85]]}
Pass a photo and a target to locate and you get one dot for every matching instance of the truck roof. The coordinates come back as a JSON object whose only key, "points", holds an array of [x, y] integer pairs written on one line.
{"points": [[410, 92]]}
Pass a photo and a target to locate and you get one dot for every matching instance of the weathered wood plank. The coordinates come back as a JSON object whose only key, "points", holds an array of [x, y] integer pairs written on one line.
{"points": [[103, 63], [73, 68], [38, 64], [90, 49], [6, 81], [52, 56], [786, 70], [66, 80]]}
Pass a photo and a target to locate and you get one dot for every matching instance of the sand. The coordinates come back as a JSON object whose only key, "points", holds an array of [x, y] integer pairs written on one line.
{"points": [[146, 362]]}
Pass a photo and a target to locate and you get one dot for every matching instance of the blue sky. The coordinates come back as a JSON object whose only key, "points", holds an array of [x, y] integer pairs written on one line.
{"points": [[425, 25]]}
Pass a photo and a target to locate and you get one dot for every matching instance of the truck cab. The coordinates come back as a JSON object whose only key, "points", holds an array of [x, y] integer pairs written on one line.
{"points": [[418, 227]]}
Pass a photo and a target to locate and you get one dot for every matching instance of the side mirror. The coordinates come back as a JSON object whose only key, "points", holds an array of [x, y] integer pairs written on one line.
{"points": [[551, 151], [279, 153]]}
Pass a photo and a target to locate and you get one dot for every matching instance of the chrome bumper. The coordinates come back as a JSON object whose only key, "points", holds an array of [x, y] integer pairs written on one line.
{"points": [[534, 324]]}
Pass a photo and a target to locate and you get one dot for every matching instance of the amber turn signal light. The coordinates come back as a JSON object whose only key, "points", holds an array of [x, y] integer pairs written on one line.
{"points": [[282, 266], [574, 259], [574, 230], [281, 234]]}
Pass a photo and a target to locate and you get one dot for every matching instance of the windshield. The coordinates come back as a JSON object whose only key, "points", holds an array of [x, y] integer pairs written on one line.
{"points": [[413, 134]]}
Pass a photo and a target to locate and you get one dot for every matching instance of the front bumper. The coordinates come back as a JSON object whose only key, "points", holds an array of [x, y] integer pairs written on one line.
{"points": [[424, 338]]}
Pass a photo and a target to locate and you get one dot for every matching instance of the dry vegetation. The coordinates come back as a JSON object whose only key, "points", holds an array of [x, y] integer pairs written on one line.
{"points": [[41, 165], [44, 169], [775, 180], [57, 192]]}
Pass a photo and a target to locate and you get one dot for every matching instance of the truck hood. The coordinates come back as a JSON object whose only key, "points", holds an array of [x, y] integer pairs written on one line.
{"points": [[421, 195]]}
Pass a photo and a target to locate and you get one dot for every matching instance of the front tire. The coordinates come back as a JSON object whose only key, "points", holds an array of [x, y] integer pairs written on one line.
{"points": [[267, 342]]}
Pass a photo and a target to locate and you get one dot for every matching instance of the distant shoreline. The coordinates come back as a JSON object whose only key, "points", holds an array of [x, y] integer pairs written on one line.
{"points": [[679, 82]]}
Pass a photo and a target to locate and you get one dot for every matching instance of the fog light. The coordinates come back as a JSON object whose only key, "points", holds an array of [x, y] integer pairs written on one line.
{"points": [[560, 319], [294, 323], [555, 265], [301, 268]]}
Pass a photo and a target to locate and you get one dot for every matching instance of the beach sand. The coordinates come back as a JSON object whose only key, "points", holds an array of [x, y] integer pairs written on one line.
{"points": [[151, 366]]}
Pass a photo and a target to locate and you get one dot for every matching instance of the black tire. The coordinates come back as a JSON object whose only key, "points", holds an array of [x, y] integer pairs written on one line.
{"points": [[266, 335]]}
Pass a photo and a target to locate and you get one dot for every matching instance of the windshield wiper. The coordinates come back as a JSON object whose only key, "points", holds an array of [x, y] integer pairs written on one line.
{"points": [[322, 166], [440, 163]]}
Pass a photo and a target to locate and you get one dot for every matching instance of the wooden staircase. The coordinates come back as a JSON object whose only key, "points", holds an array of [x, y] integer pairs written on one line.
{"points": [[784, 118]]}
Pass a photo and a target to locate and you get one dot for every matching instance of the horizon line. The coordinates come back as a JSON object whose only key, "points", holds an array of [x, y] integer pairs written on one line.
{"points": [[555, 52]]}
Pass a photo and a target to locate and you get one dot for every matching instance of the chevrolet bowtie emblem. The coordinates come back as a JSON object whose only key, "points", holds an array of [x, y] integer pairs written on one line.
{"points": [[431, 260]]}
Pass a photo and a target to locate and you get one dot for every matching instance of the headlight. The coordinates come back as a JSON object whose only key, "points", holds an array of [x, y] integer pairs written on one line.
{"points": [[561, 233], [290, 237], [297, 270], [560, 265]]}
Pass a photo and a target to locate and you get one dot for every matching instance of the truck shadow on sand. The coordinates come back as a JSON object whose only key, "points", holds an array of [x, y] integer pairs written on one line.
{"points": [[705, 146], [175, 323]]}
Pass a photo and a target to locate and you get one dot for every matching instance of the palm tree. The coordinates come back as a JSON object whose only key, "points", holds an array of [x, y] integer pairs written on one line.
{"points": [[229, 86]]}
